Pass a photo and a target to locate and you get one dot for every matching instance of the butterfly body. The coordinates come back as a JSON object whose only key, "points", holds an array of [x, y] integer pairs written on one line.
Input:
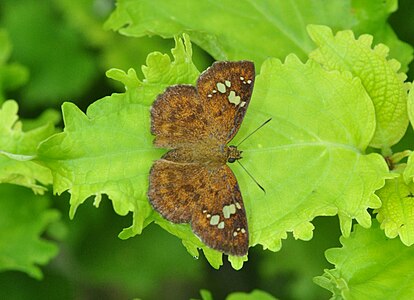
{"points": [[213, 157], [192, 183]]}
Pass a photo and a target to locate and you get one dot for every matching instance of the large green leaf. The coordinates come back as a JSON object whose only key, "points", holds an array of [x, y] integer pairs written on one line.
{"points": [[379, 76], [255, 30], [310, 157], [369, 266]]}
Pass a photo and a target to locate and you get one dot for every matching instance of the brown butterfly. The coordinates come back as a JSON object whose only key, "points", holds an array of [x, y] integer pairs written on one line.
{"points": [[192, 183]]}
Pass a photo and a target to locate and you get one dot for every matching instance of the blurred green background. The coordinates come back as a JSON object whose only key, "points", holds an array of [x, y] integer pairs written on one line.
{"points": [[65, 52]]}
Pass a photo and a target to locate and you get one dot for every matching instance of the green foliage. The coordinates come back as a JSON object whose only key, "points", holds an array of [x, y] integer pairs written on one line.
{"points": [[396, 214], [385, 86], [225, 29], [337, 97], [369, 266], [59, 65], [327, 151], [18, 149], [254, 295], [23, 219], [120, 130], [318, 153], [11, 75]]}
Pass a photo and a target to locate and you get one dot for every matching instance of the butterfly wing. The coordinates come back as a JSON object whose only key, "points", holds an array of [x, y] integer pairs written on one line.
{"points": [[184, 115], [174, 189], [177, 117], [220, 220], [209, 199], [224, 91]]}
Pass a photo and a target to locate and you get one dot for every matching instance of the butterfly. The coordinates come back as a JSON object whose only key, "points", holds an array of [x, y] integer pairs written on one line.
{"points": [[192, 183]]}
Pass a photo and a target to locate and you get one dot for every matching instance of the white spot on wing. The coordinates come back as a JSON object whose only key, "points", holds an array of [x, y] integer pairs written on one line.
{"points": [[228, 210], [233, 98], [220, 225], [215, 220], [221, 87]]}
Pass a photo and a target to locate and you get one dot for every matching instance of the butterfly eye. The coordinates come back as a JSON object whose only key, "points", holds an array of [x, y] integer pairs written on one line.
{"points": [[231, 160]]}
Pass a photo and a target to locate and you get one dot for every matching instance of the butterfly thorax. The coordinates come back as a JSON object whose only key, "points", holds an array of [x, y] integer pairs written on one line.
{"points": [[233, 154]]}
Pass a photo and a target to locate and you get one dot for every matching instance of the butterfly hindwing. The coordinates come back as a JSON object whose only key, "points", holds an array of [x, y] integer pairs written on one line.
{"points": [[192, 193], [219, 219], [175, 189]]}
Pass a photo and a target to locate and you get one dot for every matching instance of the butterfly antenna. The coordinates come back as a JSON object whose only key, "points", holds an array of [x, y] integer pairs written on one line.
{"points": [[248, 173], [264, 123]]}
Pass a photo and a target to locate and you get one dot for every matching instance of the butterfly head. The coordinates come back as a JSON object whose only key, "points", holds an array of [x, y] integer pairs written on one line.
{"points": [[233, 154]]}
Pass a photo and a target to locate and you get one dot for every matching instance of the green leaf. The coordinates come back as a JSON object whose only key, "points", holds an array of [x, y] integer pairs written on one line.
{"points": [[254, 30], [191, 242], [47, 116], [206, 295], [18, 150], [12, 75], [300, 261], [311, 157], [396, 214], [23, 219], [109, 150], [378, 75], [51, 49], [369, 266], [409, 170], [372, 16], [253, 295]]}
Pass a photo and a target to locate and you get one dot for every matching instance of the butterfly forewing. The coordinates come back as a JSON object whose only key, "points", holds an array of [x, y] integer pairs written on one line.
{"points": [[184, 114], [171, 114], [192, 183], [225, 90]]}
